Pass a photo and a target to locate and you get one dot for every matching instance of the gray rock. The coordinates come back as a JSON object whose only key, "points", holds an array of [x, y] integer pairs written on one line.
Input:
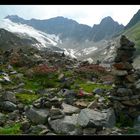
{"points": [[38, 129], [25, 125], [98, 91], [124, 92], [108, 83], [138, 85], [37, 116], [66, 125], [8, 106], [69, 109], [56, 113], [14, 115], [92, 118], [119, 72], [89, 131], [50, 134], [2, 119], [9, 96]]}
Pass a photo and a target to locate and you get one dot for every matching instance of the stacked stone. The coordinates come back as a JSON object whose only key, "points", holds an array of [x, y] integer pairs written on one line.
{"points": [[124, 97]]}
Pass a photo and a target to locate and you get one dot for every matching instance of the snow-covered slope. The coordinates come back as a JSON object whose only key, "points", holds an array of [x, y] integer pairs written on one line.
{"points": [[25, 31]]}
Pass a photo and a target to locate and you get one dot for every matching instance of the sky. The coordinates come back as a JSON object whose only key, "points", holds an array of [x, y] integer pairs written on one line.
{"points": [[83, 14]]}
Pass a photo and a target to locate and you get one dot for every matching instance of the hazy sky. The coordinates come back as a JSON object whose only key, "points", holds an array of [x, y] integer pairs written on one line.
{"points": [[84, 14]]}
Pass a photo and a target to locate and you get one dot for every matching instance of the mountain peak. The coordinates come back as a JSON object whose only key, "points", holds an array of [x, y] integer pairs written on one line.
{"points": [[13, 17], [107, 19]]}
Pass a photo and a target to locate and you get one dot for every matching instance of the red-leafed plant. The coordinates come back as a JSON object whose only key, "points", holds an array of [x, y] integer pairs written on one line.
{"points": [[43, 69]]}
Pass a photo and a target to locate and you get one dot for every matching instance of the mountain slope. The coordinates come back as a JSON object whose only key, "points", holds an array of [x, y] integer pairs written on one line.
{"points": [[9, 40], [35, 38], [65, 28], [133, 33], [134, 20], [68, 29]]}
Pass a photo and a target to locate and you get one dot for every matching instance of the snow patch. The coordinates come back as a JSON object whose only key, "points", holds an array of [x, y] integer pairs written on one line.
{"points": [[25, 30]]}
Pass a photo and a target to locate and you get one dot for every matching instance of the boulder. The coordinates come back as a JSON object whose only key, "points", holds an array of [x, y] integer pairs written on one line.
{"points": [[119, 72], [95, 119], [56, 113], [37, 116], [69, 109], [8, 106], [9, 96], [124, 92], [66, 125]]}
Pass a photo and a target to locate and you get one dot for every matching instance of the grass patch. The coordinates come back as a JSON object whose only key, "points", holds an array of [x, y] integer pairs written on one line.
{"points": [[11, 129], [89, 87], [124, 121], [27, 98]]}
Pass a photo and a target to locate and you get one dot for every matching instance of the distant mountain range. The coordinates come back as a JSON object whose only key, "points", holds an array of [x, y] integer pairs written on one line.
{"points": [[77, 40], [68, 29]]}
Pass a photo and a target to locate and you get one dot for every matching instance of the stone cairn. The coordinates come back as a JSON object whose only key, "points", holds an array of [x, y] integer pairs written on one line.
{"points": [[125, 98]]}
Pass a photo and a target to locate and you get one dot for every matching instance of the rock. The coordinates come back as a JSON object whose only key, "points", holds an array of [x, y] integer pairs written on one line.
{"points": [[20, 107], [101, 99], [44, 131], [124, 92], [66, 93], [2, 119], [60, 76], [130, 78], [14, 115], [50, 134], [138, 85], [56, 102], [123, 66], [65, 125], [119, 72], [96, 119], [134, 102], [38, 129], [98, 91], [9, 96], [81, 104], [8, 106], [69, 109], [56, 113], [119, 98], [107, 83], [13, 72], [25, 125], [93, 104], [89, 131], [37, 116], [6, 78]]}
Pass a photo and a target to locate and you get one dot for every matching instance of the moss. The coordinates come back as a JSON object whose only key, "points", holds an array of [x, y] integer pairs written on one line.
{"points": [[11, 129], [27, 98]]}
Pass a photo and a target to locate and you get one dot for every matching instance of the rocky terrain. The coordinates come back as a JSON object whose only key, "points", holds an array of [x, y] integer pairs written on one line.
{"points": [[49, 93]]}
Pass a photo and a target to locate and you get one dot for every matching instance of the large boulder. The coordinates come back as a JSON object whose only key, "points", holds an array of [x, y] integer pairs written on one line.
{"points": [[66, 125], [37, 116], [92, 118]]}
